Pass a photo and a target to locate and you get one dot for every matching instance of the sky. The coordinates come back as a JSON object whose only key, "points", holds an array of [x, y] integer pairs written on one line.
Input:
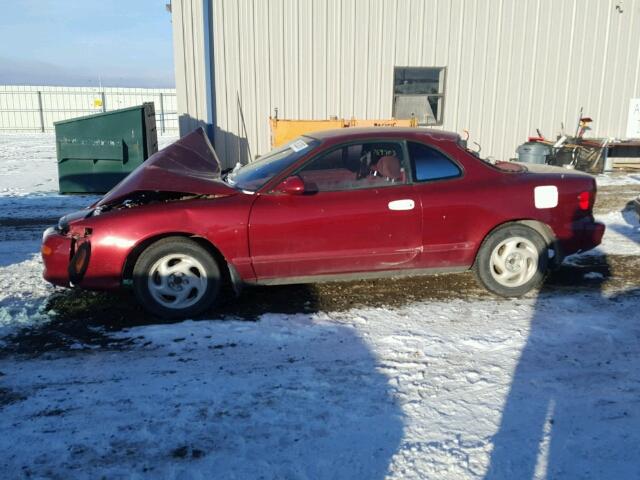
{"points": [[113, 43]]}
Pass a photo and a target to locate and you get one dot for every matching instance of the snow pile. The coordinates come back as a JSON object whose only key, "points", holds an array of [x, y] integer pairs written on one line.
{"points": [[23, 295], [615, 179], [622, 234]]}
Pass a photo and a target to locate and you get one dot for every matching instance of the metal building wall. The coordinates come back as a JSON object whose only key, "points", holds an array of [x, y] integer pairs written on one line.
{"points": [[512, 65], [193, 93]]}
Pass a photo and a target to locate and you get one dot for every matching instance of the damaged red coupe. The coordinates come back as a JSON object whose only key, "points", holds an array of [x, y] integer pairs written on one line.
{"points": [[345, 204]]}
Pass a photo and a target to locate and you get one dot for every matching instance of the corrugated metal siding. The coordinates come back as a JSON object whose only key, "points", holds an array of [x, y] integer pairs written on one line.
{"points": [[512, 65], [188, 46]]}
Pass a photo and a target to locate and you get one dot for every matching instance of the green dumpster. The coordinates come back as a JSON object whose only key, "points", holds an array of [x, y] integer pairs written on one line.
{"points": [[97, 151]]}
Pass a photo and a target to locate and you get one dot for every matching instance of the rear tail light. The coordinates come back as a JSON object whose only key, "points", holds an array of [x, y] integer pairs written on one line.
{"points": [[584, 200]]}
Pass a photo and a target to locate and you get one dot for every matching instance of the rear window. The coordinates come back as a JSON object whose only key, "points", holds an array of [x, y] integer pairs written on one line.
{"points": [[429, 164]]}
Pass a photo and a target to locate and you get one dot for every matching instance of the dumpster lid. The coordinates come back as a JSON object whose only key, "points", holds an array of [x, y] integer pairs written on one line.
{"points": [[102, 114], [189, 165]]}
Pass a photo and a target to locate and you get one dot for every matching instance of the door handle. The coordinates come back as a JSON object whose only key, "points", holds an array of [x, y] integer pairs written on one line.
{"points": [[405, 204]]}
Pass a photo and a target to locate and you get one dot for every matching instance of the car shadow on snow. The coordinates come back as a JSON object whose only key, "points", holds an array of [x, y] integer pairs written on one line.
{"points": [[290, 396], [571, 410], [567, 413]]}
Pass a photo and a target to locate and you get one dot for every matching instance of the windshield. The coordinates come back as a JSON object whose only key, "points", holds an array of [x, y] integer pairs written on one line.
{"points": [[254, 175]]}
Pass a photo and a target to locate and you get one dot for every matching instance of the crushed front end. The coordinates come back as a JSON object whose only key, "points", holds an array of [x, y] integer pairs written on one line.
{"points": [[90, 248], [66, 251]]}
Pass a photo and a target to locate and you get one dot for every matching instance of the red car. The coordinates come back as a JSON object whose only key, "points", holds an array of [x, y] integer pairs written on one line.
{"points": [[344, 204]]}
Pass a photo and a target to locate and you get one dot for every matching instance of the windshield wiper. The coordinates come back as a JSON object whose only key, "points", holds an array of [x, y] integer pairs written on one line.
{"points": [[224, 174]]}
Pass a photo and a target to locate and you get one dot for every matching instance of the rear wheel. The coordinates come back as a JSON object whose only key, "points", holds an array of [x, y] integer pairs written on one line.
{"points": [[512, 261], [175, 278]]}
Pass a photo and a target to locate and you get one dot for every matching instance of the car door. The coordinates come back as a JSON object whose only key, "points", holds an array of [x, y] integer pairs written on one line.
{"points": [[362, 215], [448, 208]]}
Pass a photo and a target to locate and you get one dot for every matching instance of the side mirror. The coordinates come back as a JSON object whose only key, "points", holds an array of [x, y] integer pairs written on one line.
{"points": [[293, 185]]}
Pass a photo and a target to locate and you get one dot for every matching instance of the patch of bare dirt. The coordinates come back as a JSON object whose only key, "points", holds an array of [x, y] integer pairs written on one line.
{"points": [[84, 319], [615, 198]]}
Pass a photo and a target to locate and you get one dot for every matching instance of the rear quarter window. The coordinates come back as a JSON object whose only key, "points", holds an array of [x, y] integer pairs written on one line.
{"points": [[429, 164]]}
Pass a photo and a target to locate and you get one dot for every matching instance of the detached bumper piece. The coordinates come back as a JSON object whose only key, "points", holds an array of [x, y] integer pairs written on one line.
{"points": [[65, 259], [56, 253], [79, 262]]}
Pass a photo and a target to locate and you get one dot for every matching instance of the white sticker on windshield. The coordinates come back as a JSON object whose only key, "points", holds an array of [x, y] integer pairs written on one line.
{"points": [[298, 145]]}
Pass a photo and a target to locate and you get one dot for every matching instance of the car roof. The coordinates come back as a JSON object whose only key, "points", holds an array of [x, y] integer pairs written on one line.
{"points": [[353, 133]]}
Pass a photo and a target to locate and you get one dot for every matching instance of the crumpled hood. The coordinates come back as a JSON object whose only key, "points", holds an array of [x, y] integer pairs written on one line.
{"points": [[189, 165]]}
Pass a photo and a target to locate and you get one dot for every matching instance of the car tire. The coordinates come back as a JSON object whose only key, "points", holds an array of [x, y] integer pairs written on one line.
{"points": [[512, 261], [176, 278]]}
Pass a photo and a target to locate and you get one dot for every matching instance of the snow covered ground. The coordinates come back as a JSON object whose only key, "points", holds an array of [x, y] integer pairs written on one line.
{"points": [[622, 236], [463, 386], [614, 179]]}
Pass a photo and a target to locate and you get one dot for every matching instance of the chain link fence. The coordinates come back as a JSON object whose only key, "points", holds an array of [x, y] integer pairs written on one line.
{"points": [[35, 109]]}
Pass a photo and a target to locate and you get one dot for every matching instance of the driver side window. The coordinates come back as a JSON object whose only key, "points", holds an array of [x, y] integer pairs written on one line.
{"points": [[356, 166]]}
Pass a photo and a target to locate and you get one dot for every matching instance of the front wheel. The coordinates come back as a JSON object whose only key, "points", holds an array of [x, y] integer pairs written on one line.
{"points": [[175, 278], [512, 261]]}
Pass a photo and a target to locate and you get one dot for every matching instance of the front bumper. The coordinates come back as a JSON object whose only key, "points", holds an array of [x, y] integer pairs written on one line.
{"points": [[70, 259], [56, 254]]}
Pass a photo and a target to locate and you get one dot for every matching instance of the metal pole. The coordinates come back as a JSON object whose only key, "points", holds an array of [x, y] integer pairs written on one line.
{"points": [[40, 110], [104, 102], [161, 113]]}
